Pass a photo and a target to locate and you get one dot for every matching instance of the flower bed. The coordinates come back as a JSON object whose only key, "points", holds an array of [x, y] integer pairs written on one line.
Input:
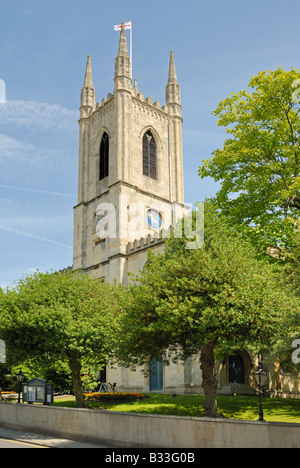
{"points": [[116, 396], [8, 396]]}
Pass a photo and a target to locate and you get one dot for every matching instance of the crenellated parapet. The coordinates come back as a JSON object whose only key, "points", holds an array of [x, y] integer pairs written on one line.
{"points": [[149, 242], [140, 103], [143, 243]]}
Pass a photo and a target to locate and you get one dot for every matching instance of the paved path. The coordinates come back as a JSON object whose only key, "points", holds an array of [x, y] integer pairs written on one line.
{"points": [[16, 438], [7, 443]]}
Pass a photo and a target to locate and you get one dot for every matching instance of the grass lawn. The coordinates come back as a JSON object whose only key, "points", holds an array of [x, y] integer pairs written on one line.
{"points": [[238, 407]]}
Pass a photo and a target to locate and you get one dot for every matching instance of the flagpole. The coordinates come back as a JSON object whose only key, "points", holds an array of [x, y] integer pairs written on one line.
{"points": [[131, 47], [118, 28]]}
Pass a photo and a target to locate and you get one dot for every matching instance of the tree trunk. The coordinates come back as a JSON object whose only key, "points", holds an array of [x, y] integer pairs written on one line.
{"points": [[75, 367], [209, 382]]}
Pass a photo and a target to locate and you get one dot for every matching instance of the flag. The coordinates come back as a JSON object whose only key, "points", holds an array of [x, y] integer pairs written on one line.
{"points": [[127, 26]]}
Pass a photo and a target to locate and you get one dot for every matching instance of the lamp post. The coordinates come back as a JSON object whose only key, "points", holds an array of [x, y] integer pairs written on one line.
{"points": [[260, 377], [20, 377]]}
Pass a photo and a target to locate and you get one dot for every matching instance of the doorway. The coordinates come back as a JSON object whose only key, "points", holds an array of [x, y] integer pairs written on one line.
{"points": [[236, 369], [156, 374]]}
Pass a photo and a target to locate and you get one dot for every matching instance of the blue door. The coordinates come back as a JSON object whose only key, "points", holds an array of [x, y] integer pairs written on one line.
{"points": [[156, 374]]}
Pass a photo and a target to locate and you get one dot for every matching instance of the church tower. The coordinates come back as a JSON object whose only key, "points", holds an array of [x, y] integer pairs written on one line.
{"points": [[130, 184]]}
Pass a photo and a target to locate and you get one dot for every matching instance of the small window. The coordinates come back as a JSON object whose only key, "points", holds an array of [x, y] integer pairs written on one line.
{"points": [[104, 157], [149, 156]]}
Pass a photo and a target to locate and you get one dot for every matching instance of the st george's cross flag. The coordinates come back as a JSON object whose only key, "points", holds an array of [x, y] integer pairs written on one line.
{"points": [[119, 26]]}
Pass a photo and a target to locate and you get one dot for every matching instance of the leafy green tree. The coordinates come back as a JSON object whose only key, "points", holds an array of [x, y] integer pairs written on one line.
{"points": [[57, 372], [66, 317], [214, 300], [290, 339], [5, 379], [296, 261], [259, 164]]}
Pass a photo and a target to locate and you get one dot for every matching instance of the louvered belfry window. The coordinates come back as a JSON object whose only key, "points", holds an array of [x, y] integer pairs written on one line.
{"points": [[104, 156], [149, 156]]}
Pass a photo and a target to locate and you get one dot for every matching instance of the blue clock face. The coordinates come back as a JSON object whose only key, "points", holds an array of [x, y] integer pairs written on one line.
{"points": [[154, 219]]}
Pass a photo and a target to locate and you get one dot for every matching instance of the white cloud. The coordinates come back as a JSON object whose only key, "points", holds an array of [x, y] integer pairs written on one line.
{"points": [[204, 138], [19, 156], [46, 222], [33, 236], [11, 148], [6, 203], [39, 221], [37, 115], [33, 190], [20, 159]]}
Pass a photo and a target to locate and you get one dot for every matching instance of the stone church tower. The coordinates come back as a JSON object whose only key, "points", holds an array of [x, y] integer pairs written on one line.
{"points": [[130, 191], [130, 187]]}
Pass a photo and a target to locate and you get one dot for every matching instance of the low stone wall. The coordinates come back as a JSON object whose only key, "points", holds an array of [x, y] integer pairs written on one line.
{"points": [[141, 430]]}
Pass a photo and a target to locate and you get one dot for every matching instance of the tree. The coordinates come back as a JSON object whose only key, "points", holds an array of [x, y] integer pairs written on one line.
{"points": [[214, 300], [296, 261], [63, 316], [290, 339], [259, 164]]}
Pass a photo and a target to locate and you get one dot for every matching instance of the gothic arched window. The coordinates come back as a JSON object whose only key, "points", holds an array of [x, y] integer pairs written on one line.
{"points": [[236, 369], [149, 156], [104, 157]]}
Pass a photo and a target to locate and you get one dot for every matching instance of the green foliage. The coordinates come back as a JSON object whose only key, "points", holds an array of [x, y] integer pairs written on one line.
{"points": [[58, 315], [5, 379], [295, 264], [259, 164], [62, 317], [55, 371], [290, 277], [220, 294]]}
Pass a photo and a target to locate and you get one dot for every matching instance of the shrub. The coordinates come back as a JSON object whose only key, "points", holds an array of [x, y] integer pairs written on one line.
{"points": [[116, 396]]}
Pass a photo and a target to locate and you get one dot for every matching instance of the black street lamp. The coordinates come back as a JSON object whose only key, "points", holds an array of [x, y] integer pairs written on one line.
{"points": [[20, 377], [260, 377]]}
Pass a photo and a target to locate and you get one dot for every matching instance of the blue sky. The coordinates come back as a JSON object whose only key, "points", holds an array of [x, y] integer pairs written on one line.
{"points": [[218, 47]]}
